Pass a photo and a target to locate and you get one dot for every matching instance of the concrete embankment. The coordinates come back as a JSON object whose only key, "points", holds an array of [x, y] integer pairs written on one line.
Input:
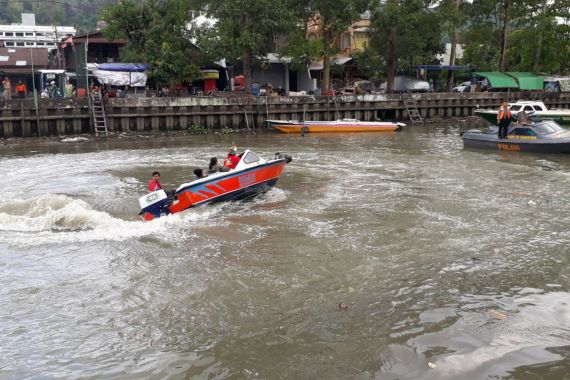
{"points": [[21, 117]]}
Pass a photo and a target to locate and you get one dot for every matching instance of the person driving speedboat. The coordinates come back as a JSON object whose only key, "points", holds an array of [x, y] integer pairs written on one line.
{"points": [[232, 159]]}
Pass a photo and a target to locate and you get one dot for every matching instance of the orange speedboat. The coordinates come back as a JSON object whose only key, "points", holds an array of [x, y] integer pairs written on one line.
{"points": [[342, 125], [253, 175]]}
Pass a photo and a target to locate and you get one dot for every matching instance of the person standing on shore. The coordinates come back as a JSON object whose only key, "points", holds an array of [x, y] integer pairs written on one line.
{"points": [[7, 89], [503, 119]]}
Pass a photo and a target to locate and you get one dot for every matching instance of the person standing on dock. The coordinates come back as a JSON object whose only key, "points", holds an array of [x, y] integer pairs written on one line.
{"points": [[503, 119], [21, 90], [7, 88]]}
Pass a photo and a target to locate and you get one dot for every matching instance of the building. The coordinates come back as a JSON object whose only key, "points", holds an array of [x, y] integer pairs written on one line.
{"points": [[25, 49], [352, 40], [92, 46], [28, 34]]}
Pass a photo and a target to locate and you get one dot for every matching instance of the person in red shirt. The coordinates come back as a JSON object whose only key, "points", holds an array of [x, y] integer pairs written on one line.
{"points": [[233, 159], [154, 183]]}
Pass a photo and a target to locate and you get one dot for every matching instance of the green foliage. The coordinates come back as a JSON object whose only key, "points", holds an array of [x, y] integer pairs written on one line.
{"points": [[367, 62], [157, 34], [242, 26], [301, 51], [335, 17], [408, 29], [197, 129], [481, 47], [81, 14], [536, 40], [246, 30]]}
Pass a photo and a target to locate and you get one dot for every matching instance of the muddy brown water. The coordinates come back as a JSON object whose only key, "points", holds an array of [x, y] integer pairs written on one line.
{"points": [[377, 256]]}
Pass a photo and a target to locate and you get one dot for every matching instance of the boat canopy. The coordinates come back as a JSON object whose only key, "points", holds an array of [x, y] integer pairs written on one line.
{"points": [[497, 79], [527, 81]]}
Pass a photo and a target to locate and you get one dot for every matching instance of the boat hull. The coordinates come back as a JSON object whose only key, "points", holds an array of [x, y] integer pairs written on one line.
{"points": [[227, 186], [333, 126], [513, 145]]}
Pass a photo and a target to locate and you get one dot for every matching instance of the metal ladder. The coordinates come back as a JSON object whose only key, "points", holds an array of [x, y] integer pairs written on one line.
{"points": [[412, 109], [98, 113]]}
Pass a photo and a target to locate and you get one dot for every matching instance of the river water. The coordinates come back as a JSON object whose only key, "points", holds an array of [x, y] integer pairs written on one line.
{"points": [[448, 263]]}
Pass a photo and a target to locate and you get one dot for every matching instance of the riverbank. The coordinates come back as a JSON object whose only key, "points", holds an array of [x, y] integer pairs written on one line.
{"points": [[52, 117], [87, 138]]}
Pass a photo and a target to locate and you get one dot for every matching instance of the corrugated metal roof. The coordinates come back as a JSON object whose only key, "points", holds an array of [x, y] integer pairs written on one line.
{"points": [[22, 57], [527, 81], [497, 79]]}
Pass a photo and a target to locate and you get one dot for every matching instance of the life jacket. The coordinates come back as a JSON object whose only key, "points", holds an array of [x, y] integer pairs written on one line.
{"points": [[502, 114], [21, 88]]}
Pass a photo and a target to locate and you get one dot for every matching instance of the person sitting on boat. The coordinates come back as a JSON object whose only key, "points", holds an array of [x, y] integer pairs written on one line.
{"points": [[233, 159], [199, 173], [214, 167], [154, 183], [503, 119], [522, 118]]}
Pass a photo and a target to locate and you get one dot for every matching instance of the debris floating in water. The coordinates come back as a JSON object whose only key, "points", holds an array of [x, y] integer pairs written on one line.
{"points": [[342, 306]]}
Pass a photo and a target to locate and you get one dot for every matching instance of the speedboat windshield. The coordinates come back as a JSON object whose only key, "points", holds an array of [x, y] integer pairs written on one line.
{"points": [[547, 127]]}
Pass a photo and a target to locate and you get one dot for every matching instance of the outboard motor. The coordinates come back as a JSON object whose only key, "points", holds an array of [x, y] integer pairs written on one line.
{"points": [[154, 205]]}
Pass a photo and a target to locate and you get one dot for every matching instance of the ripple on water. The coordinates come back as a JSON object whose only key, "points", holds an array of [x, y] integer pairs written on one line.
{"points": [[440, 255]]}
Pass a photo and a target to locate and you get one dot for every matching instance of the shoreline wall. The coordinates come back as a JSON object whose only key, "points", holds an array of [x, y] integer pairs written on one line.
{"points": [[18, 117]]}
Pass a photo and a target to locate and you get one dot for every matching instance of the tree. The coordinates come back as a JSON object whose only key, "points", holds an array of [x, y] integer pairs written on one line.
{"points": [[453, 14], [243, 29], [157, 34], [405, 33], [537, 40], [333, 17]]}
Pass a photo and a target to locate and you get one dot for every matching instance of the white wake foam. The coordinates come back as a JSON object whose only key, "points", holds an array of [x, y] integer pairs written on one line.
{"points": [[50, 219]]}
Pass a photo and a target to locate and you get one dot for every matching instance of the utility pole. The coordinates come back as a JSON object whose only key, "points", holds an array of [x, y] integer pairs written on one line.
{"points": [[34, 84]]}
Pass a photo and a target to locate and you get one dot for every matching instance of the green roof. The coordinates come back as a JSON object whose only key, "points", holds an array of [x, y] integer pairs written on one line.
{"points": [[497, 79], [528, 81]]}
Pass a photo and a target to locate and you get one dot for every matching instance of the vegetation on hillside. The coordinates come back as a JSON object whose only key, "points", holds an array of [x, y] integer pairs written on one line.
{"points": [[81, 14], [508, 35]]}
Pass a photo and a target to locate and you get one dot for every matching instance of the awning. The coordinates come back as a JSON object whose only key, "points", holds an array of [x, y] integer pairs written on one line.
{"points": [[130, 76], [528, 81], [497, 79], [443, 67], [126, 67], [47, 71], [341, 60]]}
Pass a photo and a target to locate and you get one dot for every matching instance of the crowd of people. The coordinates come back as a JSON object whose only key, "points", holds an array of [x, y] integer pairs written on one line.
{"points": [[230, 162], [49, 91]]}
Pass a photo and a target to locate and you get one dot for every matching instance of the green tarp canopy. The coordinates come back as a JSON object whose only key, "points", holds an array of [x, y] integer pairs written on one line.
{"points": [[528, 81], [498, 80]]}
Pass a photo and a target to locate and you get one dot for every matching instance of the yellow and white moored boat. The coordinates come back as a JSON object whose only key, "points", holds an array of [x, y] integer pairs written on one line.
{"points": [[342, 125]]}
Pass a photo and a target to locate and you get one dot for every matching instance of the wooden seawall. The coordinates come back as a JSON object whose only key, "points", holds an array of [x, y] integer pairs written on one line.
{"points": [[19, 118]]}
